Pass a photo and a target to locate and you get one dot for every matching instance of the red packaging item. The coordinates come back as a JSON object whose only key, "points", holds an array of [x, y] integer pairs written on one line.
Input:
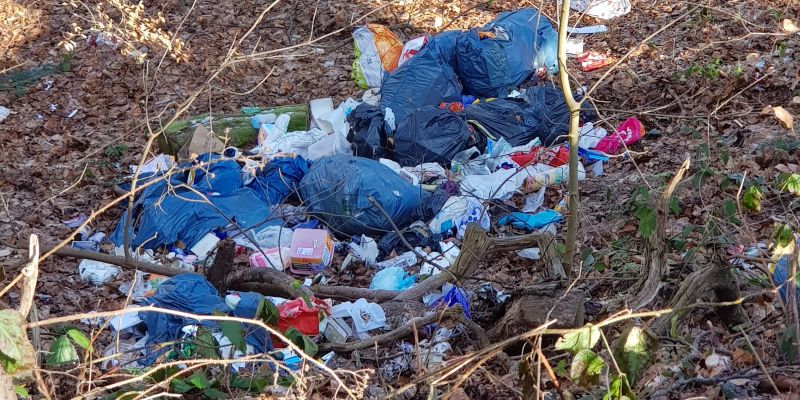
{"points": [[592, 60], [299, 315], [525, 159], [554, 158], [628, 132]]}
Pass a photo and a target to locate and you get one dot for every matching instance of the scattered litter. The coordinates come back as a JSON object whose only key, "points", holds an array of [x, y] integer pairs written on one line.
{"points": [[377, 49], [392, 278], [311, 251], [4, 113], [277, 258], [411, 48], [603, 9], [487, 292], [530, 222], [587, 30], [592, 60], [531, 253], [366, 315], [402, 261], [97, 273], [629, 132]]}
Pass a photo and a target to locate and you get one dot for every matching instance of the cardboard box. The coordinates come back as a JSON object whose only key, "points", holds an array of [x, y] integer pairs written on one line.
{"points": [[311, 251]]}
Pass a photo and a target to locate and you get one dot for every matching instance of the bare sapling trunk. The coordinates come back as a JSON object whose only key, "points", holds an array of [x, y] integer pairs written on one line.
{"points": [[574, 115]]}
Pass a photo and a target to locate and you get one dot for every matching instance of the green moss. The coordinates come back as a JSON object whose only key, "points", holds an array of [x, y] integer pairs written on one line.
{"points": [[237, 128]]}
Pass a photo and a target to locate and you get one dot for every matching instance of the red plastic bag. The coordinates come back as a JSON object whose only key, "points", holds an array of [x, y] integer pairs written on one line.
{"points": [[554, 157], [629, 132], [299, 315]]}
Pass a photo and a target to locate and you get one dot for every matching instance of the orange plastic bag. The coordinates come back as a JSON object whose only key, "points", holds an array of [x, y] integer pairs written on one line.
{"points": [[388, 46]]}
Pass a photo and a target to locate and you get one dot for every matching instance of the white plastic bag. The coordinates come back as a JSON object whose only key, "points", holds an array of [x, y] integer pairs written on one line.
{"points": [[603, 9], [458, 211], [97, 273]]}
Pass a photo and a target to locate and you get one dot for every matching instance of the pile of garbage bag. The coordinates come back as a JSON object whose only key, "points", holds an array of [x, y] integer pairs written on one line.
{"points": [[444, 134]]}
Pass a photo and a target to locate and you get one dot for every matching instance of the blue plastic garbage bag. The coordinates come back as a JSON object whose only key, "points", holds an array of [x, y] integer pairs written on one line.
{"points": [[367, 132], [278, 180], [247, 307], [186, 216], [524, 42], [221, 176], [427, 79], [521, 220], [430, 134], [337, 190], [190, 293]]}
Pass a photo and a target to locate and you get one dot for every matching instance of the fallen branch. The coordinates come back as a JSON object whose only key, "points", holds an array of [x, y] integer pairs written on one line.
{"points": [[476, 245]]}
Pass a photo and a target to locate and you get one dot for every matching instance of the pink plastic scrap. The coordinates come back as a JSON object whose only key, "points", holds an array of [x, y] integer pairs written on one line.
{"points": [[629, 132]]}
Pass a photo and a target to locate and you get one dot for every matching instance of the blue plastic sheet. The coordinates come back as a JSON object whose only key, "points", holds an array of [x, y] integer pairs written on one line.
{"points": [[524, 42], [186, 292], [392, 278], [337, 190], [163, 215], [427, 79], [521, 220], [430, 134], [278, 180]]}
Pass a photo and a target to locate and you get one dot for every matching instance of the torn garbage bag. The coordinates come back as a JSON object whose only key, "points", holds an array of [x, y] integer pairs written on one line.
{"points": [[278, 179], [427, 79], [366, 131], [186, 292], [338, 189], [504, 53], [430, 134]]}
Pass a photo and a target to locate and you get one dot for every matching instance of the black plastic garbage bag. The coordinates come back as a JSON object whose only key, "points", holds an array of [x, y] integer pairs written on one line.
{"points": [[544, 115], [338, 189], [427, 79], [366, 131], [430, 134], [523, 42]]}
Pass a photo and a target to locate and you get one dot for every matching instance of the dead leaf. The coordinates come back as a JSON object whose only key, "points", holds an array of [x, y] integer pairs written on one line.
{"points": [[742, 358], [789, 27], [782, 115]]}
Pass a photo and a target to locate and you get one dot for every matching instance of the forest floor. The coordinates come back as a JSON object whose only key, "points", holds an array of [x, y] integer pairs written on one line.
{"points": [[700, 87]]}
